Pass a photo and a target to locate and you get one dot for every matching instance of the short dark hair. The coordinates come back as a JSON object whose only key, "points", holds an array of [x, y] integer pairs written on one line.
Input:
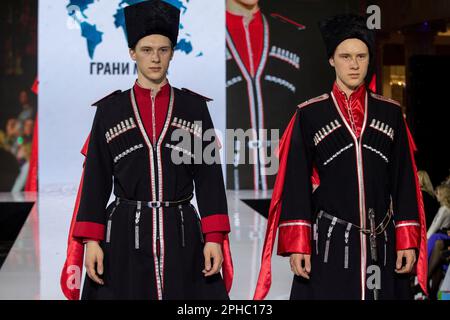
{"points": [[171, 45]]}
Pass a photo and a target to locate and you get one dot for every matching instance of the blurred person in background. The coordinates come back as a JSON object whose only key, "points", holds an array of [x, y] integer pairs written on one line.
{"points": [[429, 198], [27, 109], [12, 136], [438, 240], [442, 219], [9, 167], [438, 263]]}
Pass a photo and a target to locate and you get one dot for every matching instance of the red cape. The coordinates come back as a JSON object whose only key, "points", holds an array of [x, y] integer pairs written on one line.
{"points": [[72, 271], [422, 261], [31, 184], [265, 275]]}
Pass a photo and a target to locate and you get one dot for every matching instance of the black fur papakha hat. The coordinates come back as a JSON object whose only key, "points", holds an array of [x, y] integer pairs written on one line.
{"points": [[151, 17], [346, 26]]}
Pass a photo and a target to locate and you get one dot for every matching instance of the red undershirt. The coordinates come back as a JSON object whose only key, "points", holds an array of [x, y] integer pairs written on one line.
{"points": [[145, 106], [352, 108], [247, 39]]}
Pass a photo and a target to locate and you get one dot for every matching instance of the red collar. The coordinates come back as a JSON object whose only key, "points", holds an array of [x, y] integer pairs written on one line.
{"points": [[164, 91], [358, 94], [249, 43], [146, 108], [233, 19], [353, 108]]}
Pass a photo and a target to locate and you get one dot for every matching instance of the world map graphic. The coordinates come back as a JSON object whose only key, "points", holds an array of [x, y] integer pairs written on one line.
{"points": [[94, 36]]}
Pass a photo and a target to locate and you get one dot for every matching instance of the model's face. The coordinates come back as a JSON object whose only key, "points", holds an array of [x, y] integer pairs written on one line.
{"points": [[351, 61], [152, 55]]}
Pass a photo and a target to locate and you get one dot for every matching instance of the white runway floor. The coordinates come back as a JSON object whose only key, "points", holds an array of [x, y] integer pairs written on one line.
{"points": [[33, 266]]}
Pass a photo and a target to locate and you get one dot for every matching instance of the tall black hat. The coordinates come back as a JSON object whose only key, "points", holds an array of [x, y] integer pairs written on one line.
{"points": [[151, 17], [346, 26]]}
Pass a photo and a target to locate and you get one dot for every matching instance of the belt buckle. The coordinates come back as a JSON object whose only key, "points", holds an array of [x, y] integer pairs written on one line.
{"points": [[154, 204]]}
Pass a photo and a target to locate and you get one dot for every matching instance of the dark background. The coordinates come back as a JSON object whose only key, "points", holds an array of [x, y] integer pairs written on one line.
{"points": [[409, 38], [18, 54]]}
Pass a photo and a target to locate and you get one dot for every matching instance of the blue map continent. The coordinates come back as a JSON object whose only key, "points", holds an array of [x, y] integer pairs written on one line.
{"points": [[88, 31], [92, 35]]}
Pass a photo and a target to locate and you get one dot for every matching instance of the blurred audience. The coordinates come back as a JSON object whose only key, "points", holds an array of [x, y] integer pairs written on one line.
{"points": [[438, 264], [9, 167], [442, 219], [429, 198], [16, 144], [439, 240], [27, 110]]}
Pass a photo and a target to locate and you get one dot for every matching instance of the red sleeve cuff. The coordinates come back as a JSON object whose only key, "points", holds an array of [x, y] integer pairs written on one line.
{"points": [[216, 237], [216, 223], [294, 236], [89, 230], [407, 234]]}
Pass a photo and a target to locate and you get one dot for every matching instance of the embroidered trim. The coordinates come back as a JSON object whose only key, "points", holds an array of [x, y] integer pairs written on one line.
{"points": [[316, 99], [325, 131], [377, 152], [409, 224], [287, 20], [281, 82], [377, 96], [286, 56], [254, 106], [177, 148], [361, 189], [288, 224], [337, 154], [161, 192], [127, 152], [120, 128], [260, 104], [193, 128], [251, 99], [159, 265], [383, 128], [234, 81]]}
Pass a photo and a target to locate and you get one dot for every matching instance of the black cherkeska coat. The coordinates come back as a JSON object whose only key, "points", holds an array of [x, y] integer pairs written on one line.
{"points": [[264, 101], [356, 175], [157, 253]]}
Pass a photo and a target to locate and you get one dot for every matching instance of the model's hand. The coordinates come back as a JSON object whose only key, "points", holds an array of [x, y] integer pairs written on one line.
{"points": [[212, 251], [94, 257], [410, 255], [301, 264]]}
